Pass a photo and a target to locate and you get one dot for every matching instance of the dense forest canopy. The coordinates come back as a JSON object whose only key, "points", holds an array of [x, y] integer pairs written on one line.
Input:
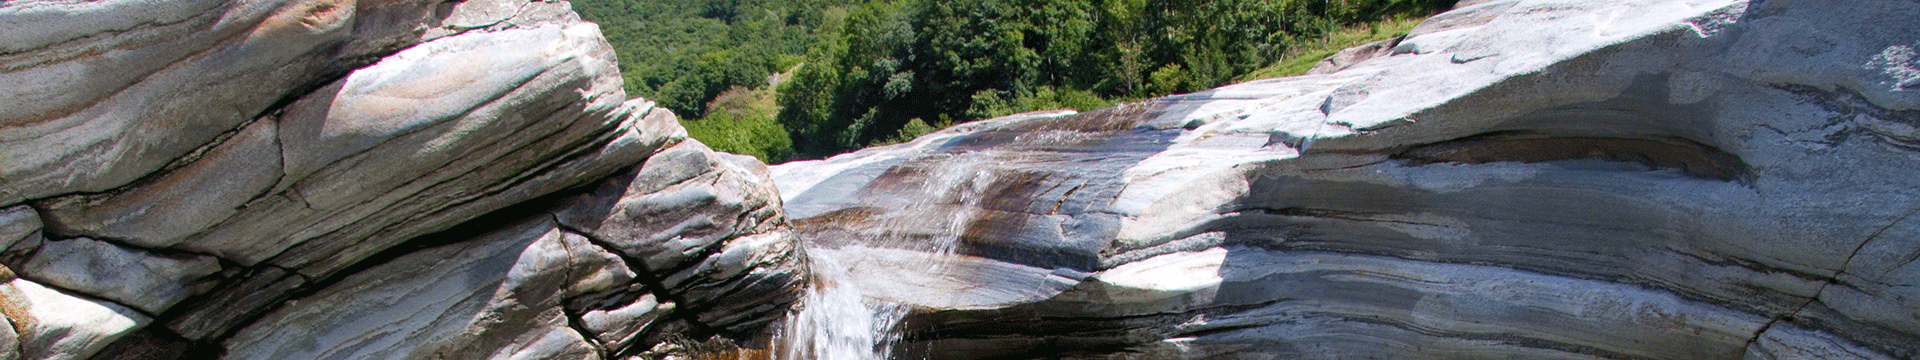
{"points": [[854, 73]]}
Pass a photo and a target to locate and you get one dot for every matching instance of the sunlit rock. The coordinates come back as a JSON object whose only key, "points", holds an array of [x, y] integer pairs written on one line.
{"points": [[298, 179], [54, 324], [708, 224], [1534, 179], [143, 280], [494, 297]]}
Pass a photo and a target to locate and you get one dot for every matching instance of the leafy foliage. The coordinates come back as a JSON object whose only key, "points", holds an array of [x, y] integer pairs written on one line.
{"points": [[1308, 54], [684, 53], [741, 121], [961, 60], [689, 55], [881, 71]]}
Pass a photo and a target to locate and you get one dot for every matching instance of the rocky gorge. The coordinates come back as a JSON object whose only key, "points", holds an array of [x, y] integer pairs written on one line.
{"points": [[405, 179]]}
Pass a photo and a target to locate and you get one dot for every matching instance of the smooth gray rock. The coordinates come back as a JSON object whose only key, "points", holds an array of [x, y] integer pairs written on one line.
{"points": [[580, 300], [744, 286], [260, 174], [110, 91], [708, 224], [9, 341], [1534, 179], [493, 297], [53, 324], [186, 200], [139, 279], [509, 115], [1348, 57], [19, 233], [441, 126], [359, 126], [236, 303], [679, 205], [620, 327]]}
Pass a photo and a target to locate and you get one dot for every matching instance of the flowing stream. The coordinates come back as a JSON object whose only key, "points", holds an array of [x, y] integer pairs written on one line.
{"points": [[838, 321], [861, 289]]}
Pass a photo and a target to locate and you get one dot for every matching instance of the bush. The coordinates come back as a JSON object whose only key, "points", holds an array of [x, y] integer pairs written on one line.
{"points": [[871, 67], [758, 136], [741, 121]]}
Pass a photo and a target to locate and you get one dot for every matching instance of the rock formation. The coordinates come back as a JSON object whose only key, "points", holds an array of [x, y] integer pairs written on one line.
{"points": [[287, 179], [406, 179], [1658, 179]]}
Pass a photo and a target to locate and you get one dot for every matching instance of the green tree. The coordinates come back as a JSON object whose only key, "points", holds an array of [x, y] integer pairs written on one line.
{"points": [[871, 67]]}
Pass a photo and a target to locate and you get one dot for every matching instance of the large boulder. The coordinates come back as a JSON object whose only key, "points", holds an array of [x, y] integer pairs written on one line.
{"points": [[1515, 179], [707, 225], [563, 279], [203, 179]]}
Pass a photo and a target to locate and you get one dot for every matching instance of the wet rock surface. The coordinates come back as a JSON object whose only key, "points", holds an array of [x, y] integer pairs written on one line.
{"points": [[1530, 179]]}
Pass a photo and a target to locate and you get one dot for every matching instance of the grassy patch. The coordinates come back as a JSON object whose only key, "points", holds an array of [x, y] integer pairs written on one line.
{"points": [[1300, 59], [741, 121]]}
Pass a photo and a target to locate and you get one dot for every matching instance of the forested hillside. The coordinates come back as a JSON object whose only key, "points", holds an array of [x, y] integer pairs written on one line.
{"points": [[871, 72]]}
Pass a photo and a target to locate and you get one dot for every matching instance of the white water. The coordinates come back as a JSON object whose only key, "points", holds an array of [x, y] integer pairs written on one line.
{"points": [[839, 322], [837, 319]]}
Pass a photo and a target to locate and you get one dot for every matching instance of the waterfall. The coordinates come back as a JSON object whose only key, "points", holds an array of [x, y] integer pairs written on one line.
{"points": [[862, 288], [838, 321]]}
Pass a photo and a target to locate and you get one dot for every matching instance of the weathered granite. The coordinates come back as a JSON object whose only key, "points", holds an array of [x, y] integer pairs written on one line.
{"points": [[1533, 179], [745, 285], [111, 91], [494, 297], [535, 289], [19, 233], [621, 326], [9, 341], [142, 280], [1349, 57], [214, 166], [708, 224], [676, 207], [55, 324], [1538, 179], [445, 123]]}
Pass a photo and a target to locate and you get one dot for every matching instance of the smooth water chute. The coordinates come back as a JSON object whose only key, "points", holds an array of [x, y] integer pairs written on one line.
{"points": [[840, 319], [837, 320]]}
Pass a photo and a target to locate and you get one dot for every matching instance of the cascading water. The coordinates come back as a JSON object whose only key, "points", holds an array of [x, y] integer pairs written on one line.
{"points": [[839, 318], [839, 322]]}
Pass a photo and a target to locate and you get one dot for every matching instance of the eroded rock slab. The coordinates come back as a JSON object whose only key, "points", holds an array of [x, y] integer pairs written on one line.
{"points": [[19, 233], [429, 115], [143, 280], [680, 204], [442, 125], [494, 297], [535, 289], [208, 162], [622, 325], [54, 324], [1538, 179], [108, 92], [708, 224]]}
